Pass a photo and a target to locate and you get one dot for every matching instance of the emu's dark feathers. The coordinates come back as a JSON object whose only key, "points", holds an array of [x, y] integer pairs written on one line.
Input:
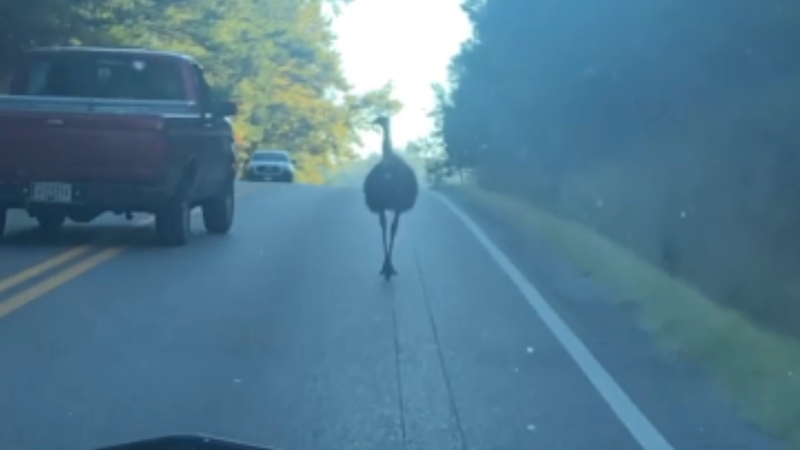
{"points": [[391, 186]]}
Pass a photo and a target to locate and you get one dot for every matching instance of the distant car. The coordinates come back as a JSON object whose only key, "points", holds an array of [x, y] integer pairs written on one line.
{"points": [[270, 165]]}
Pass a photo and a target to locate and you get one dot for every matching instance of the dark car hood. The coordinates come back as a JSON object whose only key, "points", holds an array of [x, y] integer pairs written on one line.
{"points": [[185, 442]]}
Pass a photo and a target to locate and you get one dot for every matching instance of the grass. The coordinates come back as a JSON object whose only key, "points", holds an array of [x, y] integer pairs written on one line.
{"points": [[758, 368]]}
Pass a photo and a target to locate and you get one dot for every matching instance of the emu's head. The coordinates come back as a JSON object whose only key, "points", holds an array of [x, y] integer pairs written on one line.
{"points": [[381, 121]]}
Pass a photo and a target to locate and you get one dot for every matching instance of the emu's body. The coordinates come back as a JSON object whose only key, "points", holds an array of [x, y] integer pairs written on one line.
{"points": [[390, 186]]}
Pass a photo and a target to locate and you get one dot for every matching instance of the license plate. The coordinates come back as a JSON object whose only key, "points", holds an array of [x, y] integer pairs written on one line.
{"points": [[51, 192]]}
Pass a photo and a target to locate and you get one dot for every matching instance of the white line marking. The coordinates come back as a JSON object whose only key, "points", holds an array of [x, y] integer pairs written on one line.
{"points": [[626, 411]]}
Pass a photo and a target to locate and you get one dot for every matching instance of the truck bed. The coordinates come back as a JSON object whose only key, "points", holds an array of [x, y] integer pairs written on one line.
{"points": [[79, 139]]}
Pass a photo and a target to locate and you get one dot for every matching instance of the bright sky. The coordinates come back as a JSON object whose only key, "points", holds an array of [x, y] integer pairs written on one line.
{"points": [[409, 42]]}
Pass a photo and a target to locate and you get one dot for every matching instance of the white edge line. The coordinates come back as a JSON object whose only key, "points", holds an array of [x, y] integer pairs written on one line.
{"points": [[624, 408]]}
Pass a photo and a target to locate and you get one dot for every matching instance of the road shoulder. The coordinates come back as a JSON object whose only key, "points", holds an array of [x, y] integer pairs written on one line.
{"points": [[673, 392]]}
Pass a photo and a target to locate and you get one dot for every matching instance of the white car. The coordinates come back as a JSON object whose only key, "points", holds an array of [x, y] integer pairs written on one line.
{"points": [[270, 165]]}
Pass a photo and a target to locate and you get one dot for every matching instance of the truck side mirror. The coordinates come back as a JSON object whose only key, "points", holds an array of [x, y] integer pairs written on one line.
{"points": [[225, 109]]}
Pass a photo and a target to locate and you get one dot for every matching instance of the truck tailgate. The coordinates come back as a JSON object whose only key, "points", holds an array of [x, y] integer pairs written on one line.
{"points": [[74, 146]]}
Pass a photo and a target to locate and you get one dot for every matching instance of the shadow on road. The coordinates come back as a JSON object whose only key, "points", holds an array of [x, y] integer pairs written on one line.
{"points": [[76, 235]]}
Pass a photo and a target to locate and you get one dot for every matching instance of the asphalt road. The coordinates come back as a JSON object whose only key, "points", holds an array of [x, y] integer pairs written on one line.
{"points": [[283, 334]]}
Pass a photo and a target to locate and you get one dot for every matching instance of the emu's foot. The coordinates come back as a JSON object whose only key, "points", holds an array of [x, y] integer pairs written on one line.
{"points": [[388, 270]]}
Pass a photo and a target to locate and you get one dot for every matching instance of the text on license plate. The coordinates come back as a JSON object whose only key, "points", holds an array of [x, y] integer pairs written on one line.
{"points": [[51, 192]]}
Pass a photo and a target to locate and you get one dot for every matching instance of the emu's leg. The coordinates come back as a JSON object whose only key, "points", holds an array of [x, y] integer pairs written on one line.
{"points": [[395, 226], [388, 267], [384, 239]]}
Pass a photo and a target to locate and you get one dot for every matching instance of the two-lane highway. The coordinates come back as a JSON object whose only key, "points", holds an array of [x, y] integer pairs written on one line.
{"points": [[283, 333]]}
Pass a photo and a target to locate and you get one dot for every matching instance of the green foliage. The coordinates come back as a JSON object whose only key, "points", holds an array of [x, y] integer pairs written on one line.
{"points": [[275, 57], [429, 147], [667, 126]]}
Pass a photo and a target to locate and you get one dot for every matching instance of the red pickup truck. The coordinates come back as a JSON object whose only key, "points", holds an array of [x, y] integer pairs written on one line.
{"points": [[85, 131]]}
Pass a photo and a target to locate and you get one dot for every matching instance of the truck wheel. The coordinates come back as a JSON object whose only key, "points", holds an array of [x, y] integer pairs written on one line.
{"points": [[218, 212], [51, 221], [84, 215], [173, 223]]}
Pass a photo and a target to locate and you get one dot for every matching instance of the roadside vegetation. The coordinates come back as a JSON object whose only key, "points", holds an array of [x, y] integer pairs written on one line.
{"points": [[276, 58], [656, 144], [756, 366]]}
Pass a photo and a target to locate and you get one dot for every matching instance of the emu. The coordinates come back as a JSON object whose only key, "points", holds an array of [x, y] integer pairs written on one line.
{"points": [[390, 186]]}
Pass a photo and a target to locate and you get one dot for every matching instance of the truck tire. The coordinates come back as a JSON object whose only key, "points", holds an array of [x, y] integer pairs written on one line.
{"points": [[51, 221], [173, 223], [218, 212], [84, 215]]}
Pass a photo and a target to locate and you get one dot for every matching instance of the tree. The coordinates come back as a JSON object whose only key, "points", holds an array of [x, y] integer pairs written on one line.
{"points": [[276, 58], [651, 109]]}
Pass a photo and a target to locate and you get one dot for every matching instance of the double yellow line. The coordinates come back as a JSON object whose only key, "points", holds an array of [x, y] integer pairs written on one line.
{"points": [[21, 299], [41, 288]]}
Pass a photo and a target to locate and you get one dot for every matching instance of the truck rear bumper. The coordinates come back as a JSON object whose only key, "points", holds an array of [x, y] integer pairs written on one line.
{"points": [[108, 196]]}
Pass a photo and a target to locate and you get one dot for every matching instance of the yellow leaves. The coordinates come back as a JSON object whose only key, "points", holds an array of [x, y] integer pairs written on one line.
{"points": [[275, 58]]}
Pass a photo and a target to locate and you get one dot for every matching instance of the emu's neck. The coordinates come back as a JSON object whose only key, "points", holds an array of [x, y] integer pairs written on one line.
{"points": [[387, 142]]}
